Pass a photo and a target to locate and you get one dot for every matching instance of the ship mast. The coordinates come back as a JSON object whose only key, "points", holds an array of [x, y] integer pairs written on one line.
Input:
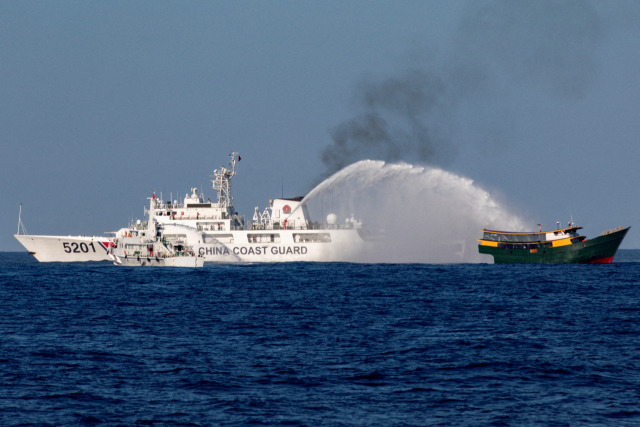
{"points": [[222, 184], [21, 226]]}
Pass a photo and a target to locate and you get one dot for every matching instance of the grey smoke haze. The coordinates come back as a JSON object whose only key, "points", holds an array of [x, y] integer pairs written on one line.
{"points": [[500, 47], [395, 122]]}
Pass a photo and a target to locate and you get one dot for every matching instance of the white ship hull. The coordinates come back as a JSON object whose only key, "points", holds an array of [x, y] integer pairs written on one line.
{"points": [[280, 246], [340, 245], [174, 261], [66, 248]]}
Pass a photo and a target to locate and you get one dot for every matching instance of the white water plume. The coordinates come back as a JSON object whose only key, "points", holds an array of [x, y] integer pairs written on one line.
{"points": [[419, 214]]}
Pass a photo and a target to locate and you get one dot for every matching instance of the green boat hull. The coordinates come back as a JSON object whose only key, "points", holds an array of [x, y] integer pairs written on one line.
{"points": [[598, 250]]}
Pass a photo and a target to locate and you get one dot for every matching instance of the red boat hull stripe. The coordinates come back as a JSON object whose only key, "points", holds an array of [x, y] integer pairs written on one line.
{"points": [[607, 260]]}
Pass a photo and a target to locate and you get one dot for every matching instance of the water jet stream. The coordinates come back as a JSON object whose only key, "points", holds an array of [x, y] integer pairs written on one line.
{"points": [[421, 214]]}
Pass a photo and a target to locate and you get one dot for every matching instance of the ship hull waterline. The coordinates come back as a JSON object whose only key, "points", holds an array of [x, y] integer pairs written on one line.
{"points": [[174, 261], [601, 250]]}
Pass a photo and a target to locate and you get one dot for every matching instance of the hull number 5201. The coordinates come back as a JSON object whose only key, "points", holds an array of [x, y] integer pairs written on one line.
{"points": [[77, 248]]}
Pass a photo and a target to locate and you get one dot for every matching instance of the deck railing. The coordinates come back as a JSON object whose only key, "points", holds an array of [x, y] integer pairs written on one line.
{"points": [[612, 230]]}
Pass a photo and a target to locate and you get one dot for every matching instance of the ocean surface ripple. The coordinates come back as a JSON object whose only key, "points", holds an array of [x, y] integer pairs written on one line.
{"points": [[319, 344]]}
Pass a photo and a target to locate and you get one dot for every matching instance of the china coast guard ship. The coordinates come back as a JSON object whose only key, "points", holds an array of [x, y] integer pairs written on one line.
{"points": [[281, 232], [213, 231], [47, 248]]}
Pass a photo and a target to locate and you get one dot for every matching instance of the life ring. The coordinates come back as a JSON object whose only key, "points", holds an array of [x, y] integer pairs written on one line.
{"points": [[181, 213], [286, 209]]}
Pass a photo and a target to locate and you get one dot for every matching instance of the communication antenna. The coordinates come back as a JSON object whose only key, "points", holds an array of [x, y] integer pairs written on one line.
{"points": [[571, 214]]}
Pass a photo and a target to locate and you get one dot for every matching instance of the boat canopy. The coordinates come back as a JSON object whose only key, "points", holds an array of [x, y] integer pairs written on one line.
{"points": [[528, 237]]}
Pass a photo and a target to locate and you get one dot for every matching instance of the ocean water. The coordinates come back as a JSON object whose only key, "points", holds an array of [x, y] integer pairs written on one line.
{"points": [[320, 344]]}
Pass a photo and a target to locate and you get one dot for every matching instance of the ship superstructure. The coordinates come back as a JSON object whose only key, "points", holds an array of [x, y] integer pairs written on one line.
{"points": [[282, 231]]}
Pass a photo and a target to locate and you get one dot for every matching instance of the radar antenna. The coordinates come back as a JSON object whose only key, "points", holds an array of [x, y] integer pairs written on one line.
{"points": [[222, 184]]}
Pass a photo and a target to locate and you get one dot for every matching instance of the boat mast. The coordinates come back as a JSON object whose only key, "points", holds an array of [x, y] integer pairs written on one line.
{"points": [[20, 224], [222, 184]]}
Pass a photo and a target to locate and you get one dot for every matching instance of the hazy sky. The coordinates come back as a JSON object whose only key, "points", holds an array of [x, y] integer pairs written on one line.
{"points": [[104, 102]]}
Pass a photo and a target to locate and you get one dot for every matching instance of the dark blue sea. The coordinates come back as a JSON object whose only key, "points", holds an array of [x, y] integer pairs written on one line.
{"points": [[320, 344]]}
